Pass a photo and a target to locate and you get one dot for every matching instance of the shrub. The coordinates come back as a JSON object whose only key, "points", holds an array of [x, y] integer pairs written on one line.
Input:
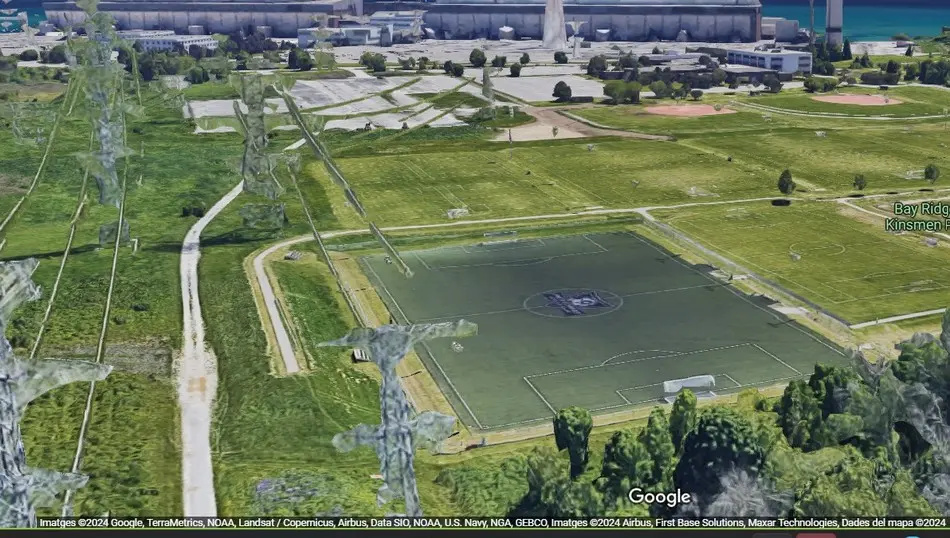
{"points": [[477, 58], [515, 69], [560, 57], [29, 55]]}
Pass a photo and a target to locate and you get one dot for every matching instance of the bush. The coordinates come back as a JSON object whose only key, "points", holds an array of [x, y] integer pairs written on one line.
{"points": [[458, 70], [560, 57], [477, 58], [515, 69], [29, 55], [499, 61], [524, 59], [696, 94], [597, 65], [880, 79], [562, 92]]}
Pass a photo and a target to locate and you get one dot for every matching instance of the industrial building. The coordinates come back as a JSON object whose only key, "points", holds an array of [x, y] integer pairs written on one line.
{"points": [[725, 21], [620, 20], [784, 62], [151, 40], [780, 29], [284, 17]]}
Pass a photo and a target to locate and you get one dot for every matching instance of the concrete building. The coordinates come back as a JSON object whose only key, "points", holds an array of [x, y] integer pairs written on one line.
{"points": [[785, 62], [779, 29], [167, 40], [346, 35], [216, 16], [726, 21], [834, 21]]}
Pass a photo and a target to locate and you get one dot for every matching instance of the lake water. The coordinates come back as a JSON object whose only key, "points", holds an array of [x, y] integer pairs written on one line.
{"points": [[869, 21]]}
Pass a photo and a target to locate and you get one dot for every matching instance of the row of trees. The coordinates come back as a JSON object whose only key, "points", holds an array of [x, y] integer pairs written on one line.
{"points": [[787, 185], [885, 423], [478, 59]]}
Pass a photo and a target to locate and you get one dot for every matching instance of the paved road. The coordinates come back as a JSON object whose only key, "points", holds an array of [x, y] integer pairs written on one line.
{"points": [[284, 345], [197, 378]]}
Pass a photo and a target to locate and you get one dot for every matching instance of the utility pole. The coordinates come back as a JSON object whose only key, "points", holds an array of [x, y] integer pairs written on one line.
{"points": [[395, 439]]}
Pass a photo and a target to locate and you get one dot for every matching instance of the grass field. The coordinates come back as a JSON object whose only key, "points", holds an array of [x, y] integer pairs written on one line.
{"points": [[850, 267], [886, 155], [539, 178], [531, 357], [915, 101]]}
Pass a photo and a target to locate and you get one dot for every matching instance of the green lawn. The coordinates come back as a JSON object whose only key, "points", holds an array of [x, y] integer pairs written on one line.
{"points": [[915, 101], [885, 154], [850, 267], [541, 177]]}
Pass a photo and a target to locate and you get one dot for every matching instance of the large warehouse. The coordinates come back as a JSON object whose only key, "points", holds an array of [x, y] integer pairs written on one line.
{"points": [[726, 21], [284, 17], [628, 20]]}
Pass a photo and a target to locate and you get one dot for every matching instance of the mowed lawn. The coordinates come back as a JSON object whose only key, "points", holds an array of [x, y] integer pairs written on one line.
{"points": [[542, 178], [914, 101], [850, 267], [885, 155]]}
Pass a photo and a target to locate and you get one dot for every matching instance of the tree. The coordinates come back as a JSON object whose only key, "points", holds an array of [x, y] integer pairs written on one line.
{"points": [[626, 464], [696, 94], [656, 50], [631, 92], [458, 70], [658, 443], [477, 58], [29, 55], [300, 59], [614, 90], [846, 51], [423, 63], [515, 69], [786, 185], [560, 57], [562, 92], [57, 55], [892, 67], [910, 50], [524, 59], [931, 173], [859, 182], [773, 83], [572, 427], [911, 71], [798, 414], [682, 417], [660, 89], [499, 61], [597, 65], [723, 440], [197, 75], [552, 493], [447, 67]]}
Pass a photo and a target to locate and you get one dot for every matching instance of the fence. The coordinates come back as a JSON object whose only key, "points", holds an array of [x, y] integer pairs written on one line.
{"points": [[396, 258]]}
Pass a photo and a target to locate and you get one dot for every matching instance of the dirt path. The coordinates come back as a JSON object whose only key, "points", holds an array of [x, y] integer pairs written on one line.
{"points": [[568, 127], [197, 378]]}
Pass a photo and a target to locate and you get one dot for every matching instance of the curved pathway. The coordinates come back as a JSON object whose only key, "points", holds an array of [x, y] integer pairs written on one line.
{"points": [[197, 378]]}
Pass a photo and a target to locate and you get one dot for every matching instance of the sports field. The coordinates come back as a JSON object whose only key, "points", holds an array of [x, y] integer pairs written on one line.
{"points": [[849, 266], [599, 321], [534, 179]]}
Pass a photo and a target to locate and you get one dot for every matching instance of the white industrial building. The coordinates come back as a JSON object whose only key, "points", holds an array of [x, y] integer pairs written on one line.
{"points": [[344, 35], [151, 40], [785, 62]]}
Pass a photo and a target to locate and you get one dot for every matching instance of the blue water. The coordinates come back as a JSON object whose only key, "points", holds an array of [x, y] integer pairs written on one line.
{"points": [[869, 20]]}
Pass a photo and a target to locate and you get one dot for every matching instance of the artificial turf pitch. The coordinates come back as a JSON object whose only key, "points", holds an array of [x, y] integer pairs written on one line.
{"points": [[657, 319]]}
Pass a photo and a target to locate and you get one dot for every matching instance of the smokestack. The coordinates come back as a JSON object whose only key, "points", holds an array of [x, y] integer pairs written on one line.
{"points": [[834, 20], [555, 34]]}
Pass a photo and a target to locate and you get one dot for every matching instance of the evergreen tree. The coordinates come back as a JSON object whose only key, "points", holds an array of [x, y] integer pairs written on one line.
{"points": [[846, 53], [682, 418], [572, 427], [658, 443]]}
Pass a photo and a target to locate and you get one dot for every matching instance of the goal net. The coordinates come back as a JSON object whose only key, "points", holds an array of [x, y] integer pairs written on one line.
{"points": [[701, 385]]}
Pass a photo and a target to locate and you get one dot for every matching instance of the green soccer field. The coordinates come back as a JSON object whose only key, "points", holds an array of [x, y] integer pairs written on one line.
{"points": [[598, 321], [850, 267], [535, 179]]}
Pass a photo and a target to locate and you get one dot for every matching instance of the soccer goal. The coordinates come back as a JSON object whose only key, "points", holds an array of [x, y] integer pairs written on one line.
{"points": [[701, 385]]}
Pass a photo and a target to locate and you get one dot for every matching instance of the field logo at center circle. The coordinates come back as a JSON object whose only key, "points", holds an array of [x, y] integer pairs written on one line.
{"points": [[573, 303]]}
